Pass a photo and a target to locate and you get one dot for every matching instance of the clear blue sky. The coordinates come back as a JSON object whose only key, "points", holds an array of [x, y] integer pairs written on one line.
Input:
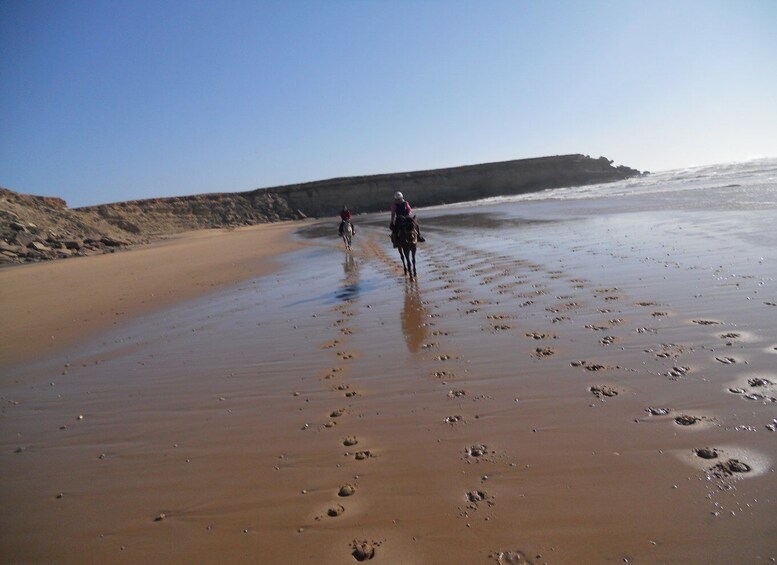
{"points": [[104, 101]]}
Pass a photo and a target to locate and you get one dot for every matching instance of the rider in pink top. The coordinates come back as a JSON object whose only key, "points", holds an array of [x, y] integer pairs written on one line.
{"points": [[401, 207], [405, 206]]}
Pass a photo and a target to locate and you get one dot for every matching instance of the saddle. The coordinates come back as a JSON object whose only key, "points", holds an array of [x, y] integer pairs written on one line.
{"points": [[405, 230], [344, 223]]}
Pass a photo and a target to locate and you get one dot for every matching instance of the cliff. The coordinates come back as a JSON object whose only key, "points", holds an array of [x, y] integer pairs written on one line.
{"points": [[445, 186], [34, 227]]}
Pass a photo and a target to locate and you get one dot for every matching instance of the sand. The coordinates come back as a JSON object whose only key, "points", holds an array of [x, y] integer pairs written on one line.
{"points": [[544, 392], [50, 305]]}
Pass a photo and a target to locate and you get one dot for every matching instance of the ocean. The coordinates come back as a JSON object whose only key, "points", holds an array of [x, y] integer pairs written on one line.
{"points": [[742, 185]]}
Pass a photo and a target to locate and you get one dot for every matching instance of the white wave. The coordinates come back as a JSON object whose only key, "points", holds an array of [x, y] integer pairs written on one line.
{"points": [[758, 174]]}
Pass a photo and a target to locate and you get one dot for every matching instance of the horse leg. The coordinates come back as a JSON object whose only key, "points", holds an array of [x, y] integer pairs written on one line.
{"points": [[402, 256], [413, 251]]}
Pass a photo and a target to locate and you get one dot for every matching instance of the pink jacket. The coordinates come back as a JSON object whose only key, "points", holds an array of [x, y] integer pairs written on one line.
{"points": [[394, 209]]}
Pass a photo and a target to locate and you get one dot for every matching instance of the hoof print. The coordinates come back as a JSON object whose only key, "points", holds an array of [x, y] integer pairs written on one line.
{"points": [[541, 352], [476, 450], [335, 511], [511, 557], [729, 468], [587, 365], [686, 420], [346, 490], [540, 335], [706, 453], [758, 381], [726, 360], [362, 550], [602, 391], [350, 440], [475, 496], [677, 372]]}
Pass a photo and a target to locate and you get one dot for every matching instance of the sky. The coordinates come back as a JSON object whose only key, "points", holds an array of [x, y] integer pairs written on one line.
{"points": [[105, 101]]}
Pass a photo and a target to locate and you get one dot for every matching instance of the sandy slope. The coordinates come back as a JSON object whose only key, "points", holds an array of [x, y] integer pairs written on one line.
{"points": [[49, 305]]}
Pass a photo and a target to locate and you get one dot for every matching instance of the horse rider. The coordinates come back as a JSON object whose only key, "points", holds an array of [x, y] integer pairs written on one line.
{"points": [[401, 208], [345, 216]]}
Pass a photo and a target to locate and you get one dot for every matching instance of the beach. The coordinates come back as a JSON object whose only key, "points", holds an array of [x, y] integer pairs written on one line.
{"points": [[50, 305], [573, 377]]}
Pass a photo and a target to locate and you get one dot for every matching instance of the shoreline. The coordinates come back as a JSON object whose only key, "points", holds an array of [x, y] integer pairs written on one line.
{"points": [[51, 305]]}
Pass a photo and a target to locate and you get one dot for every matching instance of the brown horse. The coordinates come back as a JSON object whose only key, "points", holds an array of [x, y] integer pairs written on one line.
{"points": [[407, 240]]}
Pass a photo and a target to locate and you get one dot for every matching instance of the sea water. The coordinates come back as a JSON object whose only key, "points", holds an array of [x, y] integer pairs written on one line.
{"points": [[732, 206], [743, 185]]}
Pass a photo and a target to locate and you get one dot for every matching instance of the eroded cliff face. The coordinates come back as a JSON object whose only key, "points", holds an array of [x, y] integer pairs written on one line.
{"points": [[33, 228], [361, 194], [445, 186]]}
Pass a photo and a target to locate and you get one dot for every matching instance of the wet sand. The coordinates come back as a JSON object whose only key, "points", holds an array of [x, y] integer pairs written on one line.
{"points": [[594, 387]]}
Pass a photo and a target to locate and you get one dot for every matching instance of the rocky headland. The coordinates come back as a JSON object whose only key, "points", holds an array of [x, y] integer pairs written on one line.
{"points": [[35, 228]]}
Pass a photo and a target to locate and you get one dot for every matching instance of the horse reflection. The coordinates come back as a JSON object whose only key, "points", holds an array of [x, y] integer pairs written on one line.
{"points": [[414, 318], [349, 265], [351, 287]]}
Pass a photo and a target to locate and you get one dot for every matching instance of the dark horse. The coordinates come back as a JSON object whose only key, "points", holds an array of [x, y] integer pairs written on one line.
{"points": [[407, 240]]}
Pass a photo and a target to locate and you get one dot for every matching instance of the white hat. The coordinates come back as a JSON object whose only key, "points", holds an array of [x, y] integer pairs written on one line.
{"points": [[398, 196]]}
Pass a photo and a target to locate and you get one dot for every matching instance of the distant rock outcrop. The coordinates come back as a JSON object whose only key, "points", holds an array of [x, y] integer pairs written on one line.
{"points": [[34, 228], [446, 186]]}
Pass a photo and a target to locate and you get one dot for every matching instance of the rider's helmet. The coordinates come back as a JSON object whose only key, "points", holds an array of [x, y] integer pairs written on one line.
{"points": [[398, 196]]}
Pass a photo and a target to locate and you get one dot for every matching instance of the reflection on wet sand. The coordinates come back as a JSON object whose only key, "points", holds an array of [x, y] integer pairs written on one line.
{"points": [[351, 287], [349, 264], [413, 318]]}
